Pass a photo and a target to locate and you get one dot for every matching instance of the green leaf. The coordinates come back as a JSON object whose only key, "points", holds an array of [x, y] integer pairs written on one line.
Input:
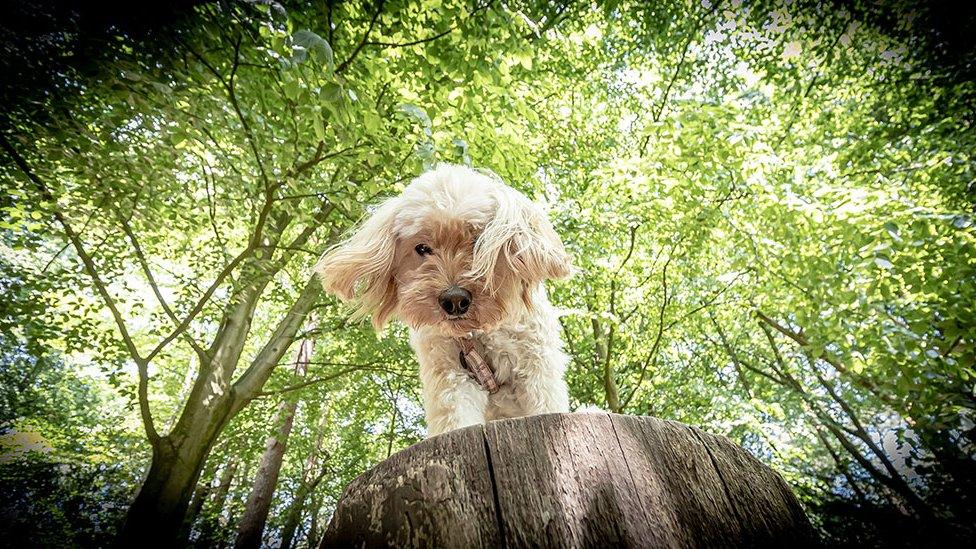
{"points": [[320, 48], [331, 92], [414, 112], [292, 89], [318, 126]]}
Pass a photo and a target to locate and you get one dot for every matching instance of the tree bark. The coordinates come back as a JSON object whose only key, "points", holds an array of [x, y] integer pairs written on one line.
{"points": [[292, 519], [310, 481], [160, 505], [162, 501], [570, 480], [200, 495], [251, 527], [602, 340], [209, 525], [226, 478], [313, 525]]}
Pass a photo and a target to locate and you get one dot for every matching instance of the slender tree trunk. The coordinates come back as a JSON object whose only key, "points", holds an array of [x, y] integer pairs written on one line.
{"points": [[251, 527], [199, 498], [297, 508], [602, 341], [200, 495], [196, 505], [208, 524], [842, 467], [292, 519], [310, 481], [223, 488], [228, 517], [894, 478], [313, 527]]}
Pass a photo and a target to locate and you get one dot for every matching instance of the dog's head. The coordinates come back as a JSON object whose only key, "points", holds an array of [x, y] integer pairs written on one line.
{"points": [[457, 250]]}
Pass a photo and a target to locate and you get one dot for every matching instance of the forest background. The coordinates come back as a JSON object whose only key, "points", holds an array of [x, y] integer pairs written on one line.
{"points": [[770, 205]]}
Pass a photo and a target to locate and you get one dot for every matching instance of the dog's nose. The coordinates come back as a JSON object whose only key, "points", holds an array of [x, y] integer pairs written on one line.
{"points": [[455, 300]]}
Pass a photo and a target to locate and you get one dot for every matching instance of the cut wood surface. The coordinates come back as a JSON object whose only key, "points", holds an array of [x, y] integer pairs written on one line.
{"points": [[570, 480]]}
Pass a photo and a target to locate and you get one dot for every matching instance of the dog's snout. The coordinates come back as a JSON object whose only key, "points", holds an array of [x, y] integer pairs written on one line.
{"points": [[455, 300]]}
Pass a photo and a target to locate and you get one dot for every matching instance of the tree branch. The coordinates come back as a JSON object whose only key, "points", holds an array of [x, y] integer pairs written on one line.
{"points": [[681, 62], [362, 43], [652, 354], [144, 264], [733, 356], [251, 381], [92, 270], [433, 37]]}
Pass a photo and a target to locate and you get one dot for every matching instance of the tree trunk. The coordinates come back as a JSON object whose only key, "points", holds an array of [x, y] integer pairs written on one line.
{"points": [[200, 495], [178, 458], [292, 519], [602, 340], [313, 525], [570, 480], [209, 525], [310, 481], [161, 504], [251, 526], [297, 508], [226, 478], [158, 510]]}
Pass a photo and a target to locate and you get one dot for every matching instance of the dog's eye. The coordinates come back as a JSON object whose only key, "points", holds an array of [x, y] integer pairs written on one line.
{"points": [[423, 249]]}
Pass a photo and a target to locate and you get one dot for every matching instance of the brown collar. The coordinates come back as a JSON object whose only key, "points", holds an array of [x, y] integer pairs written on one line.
{"points": [[474, 359]]}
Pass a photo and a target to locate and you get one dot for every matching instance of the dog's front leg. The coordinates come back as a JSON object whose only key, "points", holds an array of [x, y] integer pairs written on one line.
{"points": [[545, 390], [452, 400]]}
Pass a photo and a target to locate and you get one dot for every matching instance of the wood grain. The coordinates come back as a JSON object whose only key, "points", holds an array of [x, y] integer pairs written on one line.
{"points": [[570, 480], [434, 494]]}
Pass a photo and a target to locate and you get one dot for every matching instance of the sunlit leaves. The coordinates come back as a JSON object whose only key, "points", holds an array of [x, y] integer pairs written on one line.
{"points": [[703, 162]]}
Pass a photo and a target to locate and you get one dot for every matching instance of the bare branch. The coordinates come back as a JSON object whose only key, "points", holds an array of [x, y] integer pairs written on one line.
{"points": [[733, 356], [681, 62], [318, 158], [652, 354], [231, 88], [569, 341]]}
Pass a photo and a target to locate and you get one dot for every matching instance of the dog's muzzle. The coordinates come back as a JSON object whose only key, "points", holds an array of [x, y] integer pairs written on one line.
{"points": [[455, 300]]}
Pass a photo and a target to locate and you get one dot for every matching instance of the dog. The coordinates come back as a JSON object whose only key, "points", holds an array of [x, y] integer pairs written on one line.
{"points": [[461, 258]]}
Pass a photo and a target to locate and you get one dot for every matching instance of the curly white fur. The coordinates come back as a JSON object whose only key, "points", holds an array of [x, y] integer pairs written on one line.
{"points": [[489, 239]]}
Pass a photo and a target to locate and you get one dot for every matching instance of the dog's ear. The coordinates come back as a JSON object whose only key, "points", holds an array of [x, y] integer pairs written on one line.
{"points": [[360, 269], [520, 237]]}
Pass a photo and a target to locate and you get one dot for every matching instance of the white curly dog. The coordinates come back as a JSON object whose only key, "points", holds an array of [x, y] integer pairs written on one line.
{"points": [[461, 258]]}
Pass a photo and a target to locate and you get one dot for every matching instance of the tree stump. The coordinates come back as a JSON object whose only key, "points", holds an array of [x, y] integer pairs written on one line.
{"points": [[570, 480]]}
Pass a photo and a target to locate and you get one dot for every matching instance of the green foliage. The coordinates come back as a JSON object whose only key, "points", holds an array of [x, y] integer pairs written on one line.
{"points": [[769, 205]]}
